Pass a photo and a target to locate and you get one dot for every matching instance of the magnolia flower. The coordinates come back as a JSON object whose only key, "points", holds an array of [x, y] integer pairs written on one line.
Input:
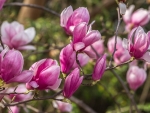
{"points": [[138, 44], [136, 77], [62, 106], [14, 35], [69, 18], [135, 19], [11, 67], [67, 58], [72, 82], [121, 54], [45, 76], [82, 37], [99, 68], [2, 3]]}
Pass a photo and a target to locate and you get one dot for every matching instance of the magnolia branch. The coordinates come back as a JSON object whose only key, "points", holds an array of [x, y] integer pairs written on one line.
{"points": [[33, 99], [33, 6], [116, 34]]}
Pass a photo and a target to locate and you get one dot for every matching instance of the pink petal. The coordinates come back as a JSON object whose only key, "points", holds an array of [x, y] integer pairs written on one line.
{"points": [[31, 33], [78, 46], [91, 37], [65, 14], [56, 85], [33, 84], [24, 77], [146, 57]]}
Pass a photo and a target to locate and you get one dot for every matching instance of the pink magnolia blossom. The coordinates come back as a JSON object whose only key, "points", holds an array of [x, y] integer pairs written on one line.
{"points": [[99, 68], [46, 75], [11, 65], [14, 109], [14, 35], [99, 48], [67, 58], [2, 3], [121, 54], [62, 106], [69, 18], [135, 19], [84, 37], [138, 44], [136, 77], [72, 82]]}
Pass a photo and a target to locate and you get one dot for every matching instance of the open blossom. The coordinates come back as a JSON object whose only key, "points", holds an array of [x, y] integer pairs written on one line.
{"points": [[45, 76], [2, 3], [99, 68], [138, 43], [11, 67], [135, 19], [136, 77], [72, 82], [62, 106], [14, 35], [67, 58], [84, 37], [121, 54], [99, 48], [69, 18]]}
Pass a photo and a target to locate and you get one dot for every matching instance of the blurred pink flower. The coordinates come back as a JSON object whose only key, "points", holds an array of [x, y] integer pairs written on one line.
{"points": [[45, 76], [2, 3], [135, 19], [14, 109], [136, 77], [121, 54], [62, 106], [69, 18], [72, 82], [84, 37], [99, 68], [98, 46], [11, 64], [14, 35], [20, 97]]}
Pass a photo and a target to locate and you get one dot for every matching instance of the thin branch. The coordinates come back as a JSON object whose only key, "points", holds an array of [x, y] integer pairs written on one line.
{"points": [[126, 90], [116, 34], [82, 105], [33, 6], [78, 62], [33, 99]]}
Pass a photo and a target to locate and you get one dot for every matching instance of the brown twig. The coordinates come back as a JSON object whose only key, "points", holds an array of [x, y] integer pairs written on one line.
{"points": [[116, 34], [33, 6], [33, 99]]}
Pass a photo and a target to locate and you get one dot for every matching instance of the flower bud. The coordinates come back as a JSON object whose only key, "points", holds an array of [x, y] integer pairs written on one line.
{"points": [[99, 68], [72, 82], [136, 77], [11, 67], [122, 7]]}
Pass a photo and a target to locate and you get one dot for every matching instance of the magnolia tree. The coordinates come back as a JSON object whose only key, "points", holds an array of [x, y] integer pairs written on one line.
{"points": [[65, 76]]}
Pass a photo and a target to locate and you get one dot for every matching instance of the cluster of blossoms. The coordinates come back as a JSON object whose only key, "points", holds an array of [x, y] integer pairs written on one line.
{"points": [[45, 73]]}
